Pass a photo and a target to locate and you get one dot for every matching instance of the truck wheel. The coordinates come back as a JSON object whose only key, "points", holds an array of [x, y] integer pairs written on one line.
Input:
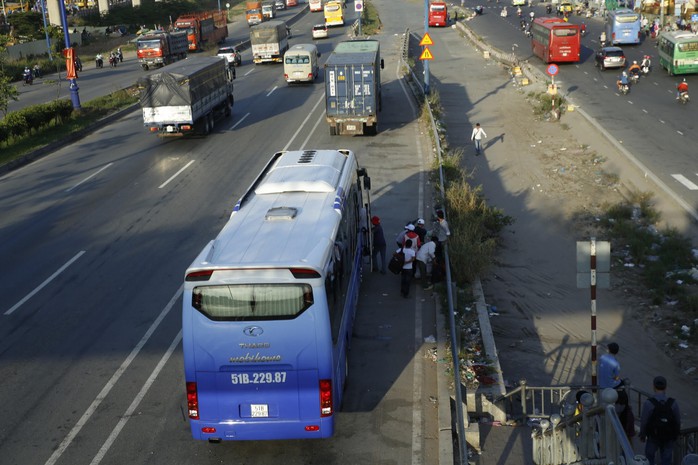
{"points": [[371, 130], [145, 67], [333, 130]]}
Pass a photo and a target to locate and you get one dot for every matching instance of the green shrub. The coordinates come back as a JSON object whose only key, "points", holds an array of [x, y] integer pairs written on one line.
{"points": [[16, 124]]}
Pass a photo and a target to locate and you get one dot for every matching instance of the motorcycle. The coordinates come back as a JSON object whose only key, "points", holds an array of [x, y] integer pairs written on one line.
{"points": [[645, 69], [522, 25], [479, 10], [113, 60], [624, 89], [120, 54], [548, 9], [78, 65], [28, 78], [634, 78], [684, 98], [99, 62], [503, 14]]}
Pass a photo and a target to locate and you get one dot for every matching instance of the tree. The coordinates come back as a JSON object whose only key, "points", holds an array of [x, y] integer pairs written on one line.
{"points": [[7, 90]]}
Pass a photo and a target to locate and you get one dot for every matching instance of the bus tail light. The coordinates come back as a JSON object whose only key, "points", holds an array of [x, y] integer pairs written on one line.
{"points": [[208, 430], [286, 76], [310, 76], [192, 401], [326, 397]]}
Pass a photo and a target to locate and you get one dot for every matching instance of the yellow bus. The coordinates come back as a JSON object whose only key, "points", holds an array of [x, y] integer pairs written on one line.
{"points": [[334, 15]]}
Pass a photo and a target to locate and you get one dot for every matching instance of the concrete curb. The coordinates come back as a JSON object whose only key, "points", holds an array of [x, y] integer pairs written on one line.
{"points": [[69, 139]]}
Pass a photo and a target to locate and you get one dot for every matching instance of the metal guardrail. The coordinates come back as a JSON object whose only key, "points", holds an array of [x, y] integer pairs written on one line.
{"points": [[594, 437]]}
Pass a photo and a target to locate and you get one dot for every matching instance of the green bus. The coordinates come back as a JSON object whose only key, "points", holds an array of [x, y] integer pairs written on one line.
{"points": [[678, 52]]}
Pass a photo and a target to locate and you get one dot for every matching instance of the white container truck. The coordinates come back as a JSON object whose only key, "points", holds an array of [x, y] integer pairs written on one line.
{"points": [[187, 97]]}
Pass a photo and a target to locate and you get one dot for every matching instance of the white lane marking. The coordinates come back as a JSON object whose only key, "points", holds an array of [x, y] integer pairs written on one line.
{"points": [[272, 91], [321, 99], [310, 133], [644, 111], [136, 401], [240, 121], [89, 177], [112, 381], [683, 180], [248, 72], [680, 133], [42, 285], [175, 175]]}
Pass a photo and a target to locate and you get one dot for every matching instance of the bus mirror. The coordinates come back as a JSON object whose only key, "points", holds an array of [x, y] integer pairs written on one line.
{"points": [[382, 64]]}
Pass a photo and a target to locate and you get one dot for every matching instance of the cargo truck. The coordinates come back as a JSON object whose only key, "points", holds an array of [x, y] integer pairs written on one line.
{"points": [[253, 13], [269, 41], [268, 10], [187, 97], [205, 27], [161, 48], [353, 87]]}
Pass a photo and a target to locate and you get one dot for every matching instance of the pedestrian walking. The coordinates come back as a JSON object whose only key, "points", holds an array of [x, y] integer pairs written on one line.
{"points": [[425, 255], [625, 414], [379, 245], [406, 274], [477, 135], [660, 424], [609, 368]]}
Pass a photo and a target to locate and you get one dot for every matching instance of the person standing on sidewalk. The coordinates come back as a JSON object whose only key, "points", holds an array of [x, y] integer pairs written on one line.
{"points": [[609, 368], [476, 136], [660, 425], [379, 245], [406, 275], [426, 254]]}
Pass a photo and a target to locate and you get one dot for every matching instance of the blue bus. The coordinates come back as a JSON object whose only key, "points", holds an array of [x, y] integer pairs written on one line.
{"points": [[623, 26], [269, 304]]}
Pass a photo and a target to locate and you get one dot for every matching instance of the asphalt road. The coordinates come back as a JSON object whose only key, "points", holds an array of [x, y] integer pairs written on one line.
{"points": [[648, 121], [94, 242]]}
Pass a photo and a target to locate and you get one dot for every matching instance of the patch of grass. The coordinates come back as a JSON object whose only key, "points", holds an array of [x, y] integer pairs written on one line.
{"points": [[91, 111], [370, 22]]}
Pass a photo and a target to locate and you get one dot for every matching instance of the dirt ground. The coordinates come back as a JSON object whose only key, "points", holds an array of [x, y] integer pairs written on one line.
{"points": [[557, 183]]}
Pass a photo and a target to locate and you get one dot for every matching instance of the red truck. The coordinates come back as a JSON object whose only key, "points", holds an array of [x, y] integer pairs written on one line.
{"points": [[161, 48], [202, 28]]}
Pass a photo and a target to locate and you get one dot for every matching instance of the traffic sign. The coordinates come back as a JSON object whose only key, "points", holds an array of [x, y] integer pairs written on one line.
{"points": [[426, 54], [552, 70], [358, 5], [426, 40]]}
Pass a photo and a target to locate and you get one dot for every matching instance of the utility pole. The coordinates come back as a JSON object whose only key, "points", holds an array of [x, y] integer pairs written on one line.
{"points": [[71, 75], [426, 62]]}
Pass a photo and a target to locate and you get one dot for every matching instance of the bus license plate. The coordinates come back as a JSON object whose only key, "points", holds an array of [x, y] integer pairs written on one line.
{"points": [[351, 127], [259, 410]]}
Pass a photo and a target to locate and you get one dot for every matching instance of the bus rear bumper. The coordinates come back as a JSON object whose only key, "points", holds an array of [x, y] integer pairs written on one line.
{"points": [[258, 431]]}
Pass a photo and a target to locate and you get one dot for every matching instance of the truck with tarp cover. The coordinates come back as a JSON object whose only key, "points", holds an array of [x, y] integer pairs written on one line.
{"points": [[187, 97], [161, 48], [204, 27], [353, 87], [269, 41]]}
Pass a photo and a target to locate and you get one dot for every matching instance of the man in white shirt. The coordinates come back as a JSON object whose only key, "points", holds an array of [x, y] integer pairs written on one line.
{"points": [[406, 275], [426, 254], [476, 136]]}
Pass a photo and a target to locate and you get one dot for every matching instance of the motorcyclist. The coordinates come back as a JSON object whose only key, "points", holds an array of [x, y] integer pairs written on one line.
{"points": [[646, 63], [37, 71], [583, 29], [522, 24], [28, 77], [78, 63], [120, 54], [602, 38], [681, 88], [549, 9], [635, 70], [519, 12], [622, 80], [99, 60], [532, 15]]}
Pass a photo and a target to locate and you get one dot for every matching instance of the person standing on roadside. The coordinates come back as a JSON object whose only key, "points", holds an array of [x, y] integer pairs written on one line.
{"points": [[660, 424], [441, 231], [426, 254], [476, 136], [609, 368], [406, 274], [379, 244], [421, 230], [411, 235]]}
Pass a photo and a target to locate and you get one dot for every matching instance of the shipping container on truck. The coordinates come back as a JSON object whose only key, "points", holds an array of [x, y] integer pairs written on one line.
{"points": [[206, 27], [353, 87], [187, 97], [269, 41], [253, 13], [161, 48]]}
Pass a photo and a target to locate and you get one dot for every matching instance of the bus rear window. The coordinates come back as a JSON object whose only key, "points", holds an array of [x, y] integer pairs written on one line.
{"points": [[627, 18], [252, 302], [564, 32], [688, 47]]}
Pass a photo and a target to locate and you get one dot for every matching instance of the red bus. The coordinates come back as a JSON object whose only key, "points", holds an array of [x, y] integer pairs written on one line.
{"points": [[555, 40], [438, 14], [291, 2]]}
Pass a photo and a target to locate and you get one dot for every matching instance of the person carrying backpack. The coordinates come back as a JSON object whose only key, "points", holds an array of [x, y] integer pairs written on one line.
{"points": [[661, 423]]}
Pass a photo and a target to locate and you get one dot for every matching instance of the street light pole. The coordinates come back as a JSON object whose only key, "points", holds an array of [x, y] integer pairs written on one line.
{"points": [[74, 96], [426, 62]]}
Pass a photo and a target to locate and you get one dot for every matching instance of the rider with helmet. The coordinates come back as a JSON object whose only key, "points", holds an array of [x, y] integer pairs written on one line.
{"points": [[634, 70], [622, 80], [646, 63], [681, 88]]}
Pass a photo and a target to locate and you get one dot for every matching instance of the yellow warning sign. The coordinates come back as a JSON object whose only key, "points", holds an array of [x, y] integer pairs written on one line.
{"points": [[426, 54], [426, 40]]}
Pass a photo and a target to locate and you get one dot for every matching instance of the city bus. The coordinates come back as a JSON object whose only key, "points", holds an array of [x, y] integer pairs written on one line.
{"points": [[438, 14], [334, 15], [555, 40], [678, 52], [269, 304], [623, 27], [315, 5]]}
